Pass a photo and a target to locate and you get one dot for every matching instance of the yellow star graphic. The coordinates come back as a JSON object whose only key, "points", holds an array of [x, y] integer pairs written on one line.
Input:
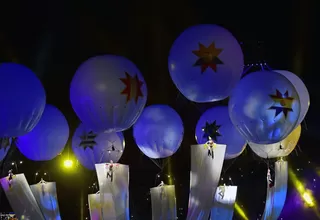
{"points": [[209, 52], [208, 57]]}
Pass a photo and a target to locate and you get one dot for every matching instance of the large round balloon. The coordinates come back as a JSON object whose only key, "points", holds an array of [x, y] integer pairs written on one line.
{"points": [[91, 148], [264, 107], [108, 93], [5, 144], [280, 149], [216, 123], [302, 92], [22, 100], [158, 131], [48, 138], [205, 63]]}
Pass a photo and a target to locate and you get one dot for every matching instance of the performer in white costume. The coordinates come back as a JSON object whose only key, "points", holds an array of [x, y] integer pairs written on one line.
{"points": [[222, 190]]}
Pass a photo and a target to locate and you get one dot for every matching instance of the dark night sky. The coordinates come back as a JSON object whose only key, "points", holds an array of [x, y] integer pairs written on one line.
{"points": [[54, 38]]}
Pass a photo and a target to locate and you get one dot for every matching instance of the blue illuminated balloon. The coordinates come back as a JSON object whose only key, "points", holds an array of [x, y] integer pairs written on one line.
{"points": [[91, 148], [22, 100], [264, 107], [5, 144], [221, 130], [158, 131], [302, 92], [205, 63], [48, 138], [108, 93]]}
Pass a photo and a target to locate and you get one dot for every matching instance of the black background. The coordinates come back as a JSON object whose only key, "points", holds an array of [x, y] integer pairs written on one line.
{"points": [[54, 37]]}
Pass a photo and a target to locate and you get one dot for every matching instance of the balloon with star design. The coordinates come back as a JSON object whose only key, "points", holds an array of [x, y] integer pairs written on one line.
{"points": [[205, 63], [108, 93], [264, 107], [48, 138], [91, 148], [159, 131], [216, 123], [22, 100], [5, 144], [302, 92]]}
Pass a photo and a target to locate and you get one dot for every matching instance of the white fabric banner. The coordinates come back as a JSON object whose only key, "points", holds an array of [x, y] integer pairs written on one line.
{"points": [[114, 180], [96, 208], [21, 198], [224, 202], [163, 201], [45, 194], [204, 178], [276, 195]]}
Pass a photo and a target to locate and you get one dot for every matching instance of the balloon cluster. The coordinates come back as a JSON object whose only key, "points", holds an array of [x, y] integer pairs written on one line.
{"points": [[108, 93], [206, 63], [41, 131], [265, 108]]}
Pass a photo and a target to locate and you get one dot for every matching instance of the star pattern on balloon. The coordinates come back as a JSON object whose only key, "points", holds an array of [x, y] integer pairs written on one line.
{"points": [[208, 57], [282, 103], [88, 140], [4, 143], [211, 130], [133, 87]]}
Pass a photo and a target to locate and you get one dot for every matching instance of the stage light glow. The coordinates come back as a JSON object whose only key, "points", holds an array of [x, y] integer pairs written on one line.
{"points": [[307, 197], [68, 164], [240, 211]]}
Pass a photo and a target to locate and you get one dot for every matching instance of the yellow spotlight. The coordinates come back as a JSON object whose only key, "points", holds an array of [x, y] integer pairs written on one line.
{"points": [[68, 164], [304, 193], [240, 211], [307, 197]]}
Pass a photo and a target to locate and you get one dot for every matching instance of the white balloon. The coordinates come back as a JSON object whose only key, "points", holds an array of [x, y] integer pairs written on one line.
{"points": [[280, 149], [91, 148], [205, 63], [264, 107], [108, 93]]}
